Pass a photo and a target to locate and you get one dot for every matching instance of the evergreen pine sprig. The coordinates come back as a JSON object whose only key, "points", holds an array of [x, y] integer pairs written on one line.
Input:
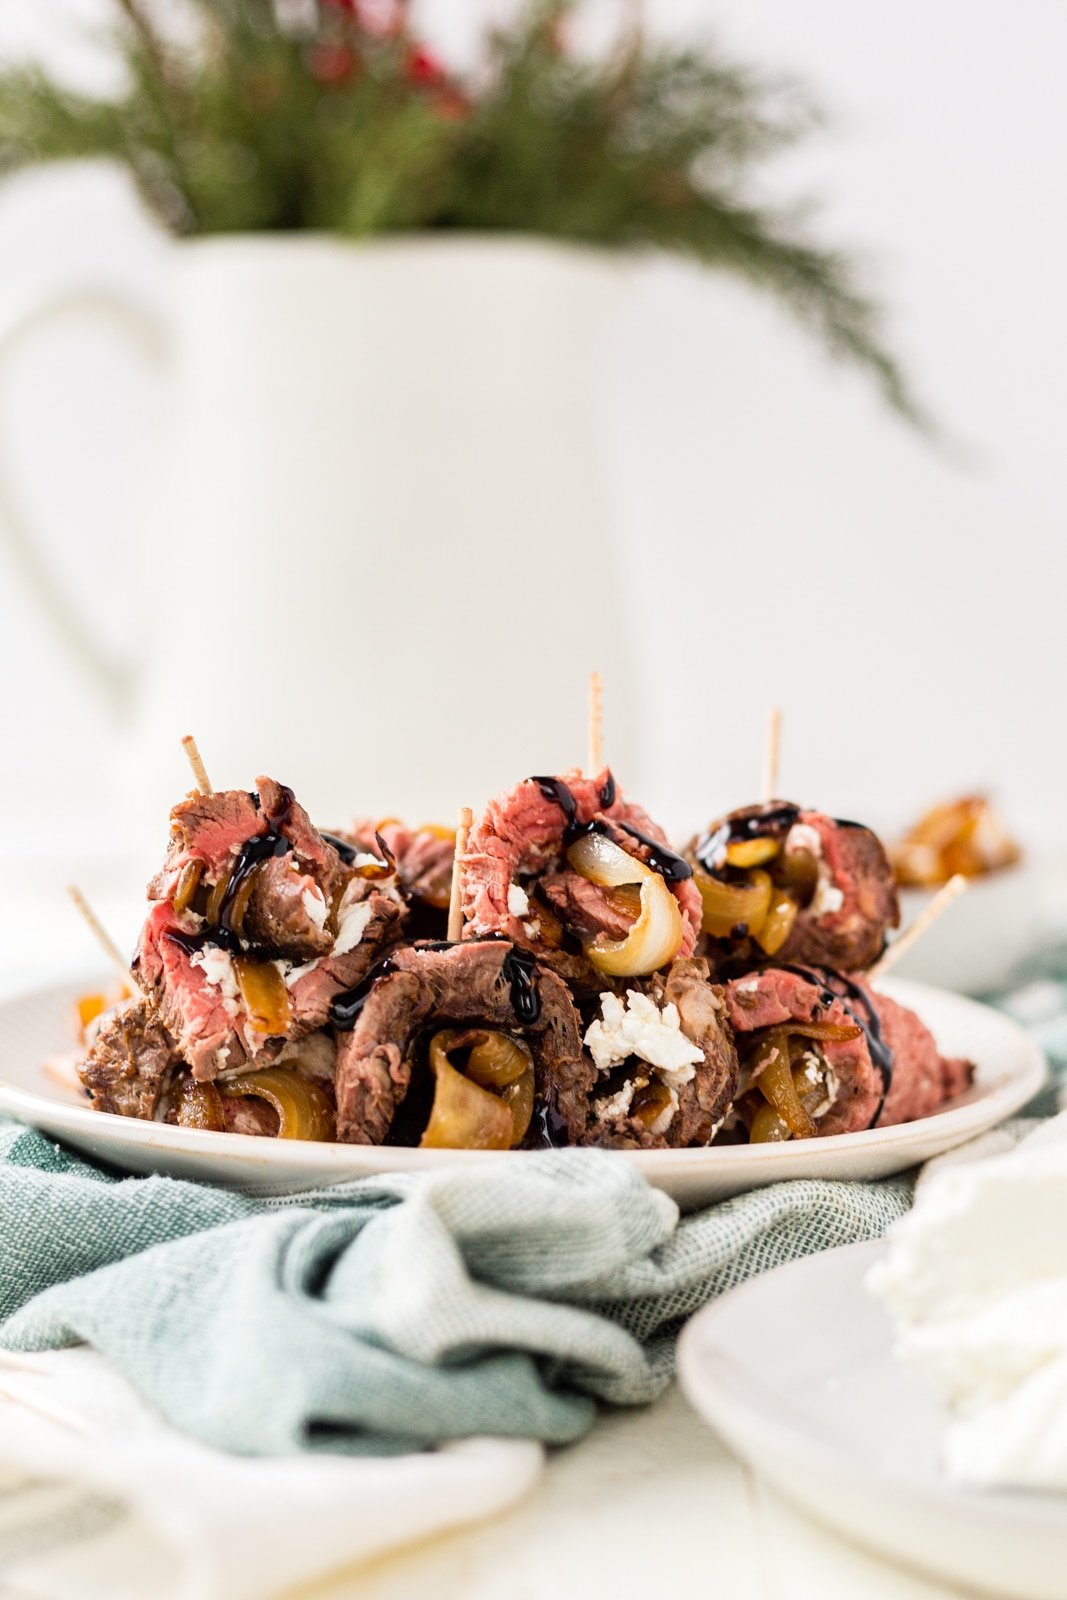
{"points": [[309, 114]]}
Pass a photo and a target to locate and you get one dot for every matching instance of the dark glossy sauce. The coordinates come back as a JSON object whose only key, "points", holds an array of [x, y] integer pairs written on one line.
{"points": [[608, 792], [672, 868], [346, 1007], [193, 943], [254, 851], [758, 822], [836, 986], [520, 969], [347, 852]]}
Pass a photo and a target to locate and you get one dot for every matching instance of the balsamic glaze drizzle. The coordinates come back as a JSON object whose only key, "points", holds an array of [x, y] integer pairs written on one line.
{"points": [[259, 848], [193, 943], [346, 851], [345, 1008], [836, 986], [756, 822], [607, 792], [672, 868], [519, 969]]}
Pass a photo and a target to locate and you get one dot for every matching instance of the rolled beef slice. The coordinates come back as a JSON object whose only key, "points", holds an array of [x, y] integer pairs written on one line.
{"points": [[519, 843], [486, 983]]}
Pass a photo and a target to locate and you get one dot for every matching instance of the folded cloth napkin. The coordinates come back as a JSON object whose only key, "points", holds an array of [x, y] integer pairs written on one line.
{"points": [[393, 1313], [101, 1500]]}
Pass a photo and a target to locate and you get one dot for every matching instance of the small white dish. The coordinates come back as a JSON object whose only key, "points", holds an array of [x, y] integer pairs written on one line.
{"points": [[1010, 1069], [979, 941], [795, 1371]]}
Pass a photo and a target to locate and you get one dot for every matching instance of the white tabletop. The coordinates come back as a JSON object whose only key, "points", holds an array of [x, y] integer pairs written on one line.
{"points": [[649, 1504]]}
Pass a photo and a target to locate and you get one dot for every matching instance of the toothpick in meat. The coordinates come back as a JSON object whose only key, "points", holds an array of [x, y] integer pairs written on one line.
{"points": [[937, 908], [455, 904], [594, 759], [105, 941], [203, 782], [770, 755]]}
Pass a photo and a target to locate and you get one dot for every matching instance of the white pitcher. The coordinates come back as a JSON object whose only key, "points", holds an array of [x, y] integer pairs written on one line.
{"points": [[376, 562]]}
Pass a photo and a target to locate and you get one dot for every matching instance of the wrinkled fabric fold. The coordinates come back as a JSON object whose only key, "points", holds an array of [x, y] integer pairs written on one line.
{"points": [[391, 1313]]}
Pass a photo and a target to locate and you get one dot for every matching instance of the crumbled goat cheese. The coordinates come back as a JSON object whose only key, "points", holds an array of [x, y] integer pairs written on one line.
{"points": [[351, 926], [316, 907], [365, 858], [749, 986], [975, 1277], [827, 898], [518, 900], [616, 1105], [532, 929], [217, 967], [637, 1027], [819, 1075]]}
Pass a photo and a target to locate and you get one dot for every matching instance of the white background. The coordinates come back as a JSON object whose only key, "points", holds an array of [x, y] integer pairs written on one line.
{"points": [[790, 540]]}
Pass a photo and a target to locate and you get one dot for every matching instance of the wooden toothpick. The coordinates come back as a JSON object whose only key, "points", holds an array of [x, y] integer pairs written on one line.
{"points": [[594, 758], [455, 904], [937, 908], [770, 754], [105, 941], [203, 782]]}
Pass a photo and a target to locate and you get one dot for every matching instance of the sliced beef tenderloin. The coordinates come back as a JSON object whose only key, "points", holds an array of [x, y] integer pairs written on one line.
{"points": [[891, 1072], [518, 882], [855, 1071], [833, 878], [129, 1062], [585, 908], [277, 881], [923, 1079], [481, 983], [638, 1106]]}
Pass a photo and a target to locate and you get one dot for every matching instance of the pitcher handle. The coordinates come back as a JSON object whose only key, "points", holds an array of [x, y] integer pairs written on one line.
{"points": [[21, 316]]}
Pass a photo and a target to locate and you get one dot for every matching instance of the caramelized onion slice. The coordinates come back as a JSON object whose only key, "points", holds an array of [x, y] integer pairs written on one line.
{"points": [[777, 924], [304, 1111], [772, 1073], [188, 883], [733, 905], [464, 1115], [752, 852], [519, 1099], [656, 936], [495, 1059], [264, 993], [199, 1106]]}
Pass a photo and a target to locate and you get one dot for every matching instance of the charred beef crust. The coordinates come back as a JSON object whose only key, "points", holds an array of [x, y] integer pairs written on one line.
{"points": [[129, 1062], [706, 1098], [852, 939], [277, 917], [466, 983]]}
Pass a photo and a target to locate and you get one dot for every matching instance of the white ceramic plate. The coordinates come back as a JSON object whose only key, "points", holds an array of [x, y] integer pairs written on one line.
{"points": [[795, 1371], [34, 1026]]}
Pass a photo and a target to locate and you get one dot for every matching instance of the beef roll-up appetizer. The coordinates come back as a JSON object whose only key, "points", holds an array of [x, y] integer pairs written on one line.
{"points": [[423, 858], [821, 1054], [566, 867], [779, 881], [258, 922], [666, 1062], [461, 1046]]}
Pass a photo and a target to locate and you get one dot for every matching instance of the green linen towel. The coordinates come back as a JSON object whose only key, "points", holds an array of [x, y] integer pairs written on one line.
{"points": [[391, 1313]]}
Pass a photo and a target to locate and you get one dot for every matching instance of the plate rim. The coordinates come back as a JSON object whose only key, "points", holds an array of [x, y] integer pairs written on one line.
{"points": [[1021, 1506], [772, 1163]]}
